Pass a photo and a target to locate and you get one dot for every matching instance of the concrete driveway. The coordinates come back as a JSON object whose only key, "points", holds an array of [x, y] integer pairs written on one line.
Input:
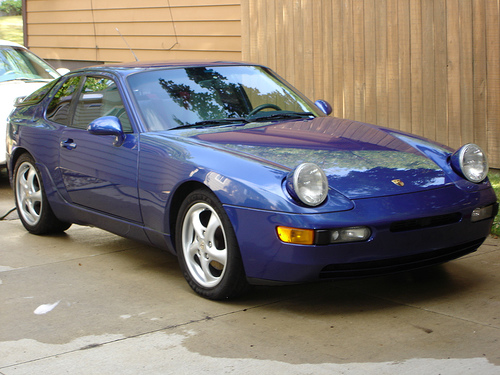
{"points": [[89, 302]]}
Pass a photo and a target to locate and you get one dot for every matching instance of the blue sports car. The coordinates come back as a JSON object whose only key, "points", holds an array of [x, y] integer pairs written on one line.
{"points": [[244, 179]]}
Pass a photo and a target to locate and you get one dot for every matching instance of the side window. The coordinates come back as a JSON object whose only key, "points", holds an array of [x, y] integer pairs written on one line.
{"points": [[59, 108], [100, 97]]}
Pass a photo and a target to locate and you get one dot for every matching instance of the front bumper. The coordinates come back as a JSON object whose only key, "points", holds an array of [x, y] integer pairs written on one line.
{"points": [[388, 250]]}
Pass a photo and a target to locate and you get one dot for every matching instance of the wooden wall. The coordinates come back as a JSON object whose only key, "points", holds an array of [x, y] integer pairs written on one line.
{"points": [[155, 29], [430, 67]]}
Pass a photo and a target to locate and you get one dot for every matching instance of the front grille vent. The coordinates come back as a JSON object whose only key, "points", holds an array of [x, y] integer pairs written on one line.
{"points": [[398, 264], [425, 222]]}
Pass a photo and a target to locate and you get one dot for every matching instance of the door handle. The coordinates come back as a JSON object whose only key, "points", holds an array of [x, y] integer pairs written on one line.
{"points": [[68, 144]]}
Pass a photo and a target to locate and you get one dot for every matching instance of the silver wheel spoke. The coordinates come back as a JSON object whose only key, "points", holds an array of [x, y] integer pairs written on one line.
{"points": [[220, 256], [198, 227], [32, 177], [193, 249], [36, 196], [207, 273], [212, 226]]}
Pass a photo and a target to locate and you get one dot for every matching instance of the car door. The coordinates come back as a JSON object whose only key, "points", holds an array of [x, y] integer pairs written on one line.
{"points": [[97, 174]]}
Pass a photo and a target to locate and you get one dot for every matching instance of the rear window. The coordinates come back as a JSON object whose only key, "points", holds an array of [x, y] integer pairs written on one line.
{"points": [[59, 107], [37, 95]]}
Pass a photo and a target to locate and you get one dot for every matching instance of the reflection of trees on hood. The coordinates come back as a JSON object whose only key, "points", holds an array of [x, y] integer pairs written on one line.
{"points": [[218, 99], [341, 162]]}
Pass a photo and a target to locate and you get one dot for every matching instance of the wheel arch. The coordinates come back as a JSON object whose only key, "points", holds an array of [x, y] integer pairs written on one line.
{"points": [[14, 157], [178, 197]]}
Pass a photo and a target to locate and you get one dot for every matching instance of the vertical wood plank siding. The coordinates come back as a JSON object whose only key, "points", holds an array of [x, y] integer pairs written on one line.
{"points": [[431, 67], [87, 29]]}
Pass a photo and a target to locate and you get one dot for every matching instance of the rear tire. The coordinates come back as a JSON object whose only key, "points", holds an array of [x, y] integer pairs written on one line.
{"points": [[207, 248], [31, 202]]}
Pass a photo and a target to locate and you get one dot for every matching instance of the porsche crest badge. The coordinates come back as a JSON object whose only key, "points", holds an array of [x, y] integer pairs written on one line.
{"points": [[398, 182]]}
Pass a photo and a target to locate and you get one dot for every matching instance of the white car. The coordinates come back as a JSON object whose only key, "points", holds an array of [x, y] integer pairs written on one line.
{"points": [[21, 73]]}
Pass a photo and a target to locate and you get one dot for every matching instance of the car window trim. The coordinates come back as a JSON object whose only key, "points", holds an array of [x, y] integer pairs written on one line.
{"points": [[73, 100]]}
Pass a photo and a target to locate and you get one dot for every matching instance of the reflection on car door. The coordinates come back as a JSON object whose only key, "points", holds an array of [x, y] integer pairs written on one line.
{"points": [[97, 174]]}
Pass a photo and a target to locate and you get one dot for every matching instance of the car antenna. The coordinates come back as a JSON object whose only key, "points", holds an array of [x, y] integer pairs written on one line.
{"points": [[130, 48], [173, 25]]}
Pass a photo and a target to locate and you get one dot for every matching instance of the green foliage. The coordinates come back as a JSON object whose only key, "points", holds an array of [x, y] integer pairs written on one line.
{"points": [[11, 7], [494, 177], [11, 28]]}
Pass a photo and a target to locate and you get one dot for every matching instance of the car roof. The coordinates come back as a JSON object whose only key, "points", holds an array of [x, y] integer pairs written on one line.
{"points": [[136, 66], [9, 43]]}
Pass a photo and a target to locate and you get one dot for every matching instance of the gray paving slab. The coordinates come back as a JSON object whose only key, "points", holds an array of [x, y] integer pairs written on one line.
{"points": [[89, 302], [6, 196]]}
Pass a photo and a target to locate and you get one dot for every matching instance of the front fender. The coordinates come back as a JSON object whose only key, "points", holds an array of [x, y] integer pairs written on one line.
{"points": [[166, 165]]}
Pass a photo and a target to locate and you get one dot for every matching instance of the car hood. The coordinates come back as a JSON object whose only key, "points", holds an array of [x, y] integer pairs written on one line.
{"points": [[360, 160]]}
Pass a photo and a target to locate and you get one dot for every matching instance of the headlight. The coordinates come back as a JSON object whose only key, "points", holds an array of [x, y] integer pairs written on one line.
{"points": [[308, 184], [470, 161]]}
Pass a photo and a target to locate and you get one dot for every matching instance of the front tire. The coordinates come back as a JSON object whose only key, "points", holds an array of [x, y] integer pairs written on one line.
{"points": [[207, 248], [31, 202]]}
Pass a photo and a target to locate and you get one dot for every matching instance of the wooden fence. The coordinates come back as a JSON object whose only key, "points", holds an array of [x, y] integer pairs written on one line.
{"points": [[430, 67], [89, 30]]}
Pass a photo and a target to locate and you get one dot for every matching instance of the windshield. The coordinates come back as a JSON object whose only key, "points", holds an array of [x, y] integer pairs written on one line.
{"points": [[19, 63], [203, 96]]}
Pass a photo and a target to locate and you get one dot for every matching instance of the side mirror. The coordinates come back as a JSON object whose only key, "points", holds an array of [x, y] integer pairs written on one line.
{"points": [[108, 125], [325, 107]]}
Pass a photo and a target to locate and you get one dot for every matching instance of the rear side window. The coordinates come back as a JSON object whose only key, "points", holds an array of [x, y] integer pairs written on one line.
{"points": [[59, 108], [38, 95]]}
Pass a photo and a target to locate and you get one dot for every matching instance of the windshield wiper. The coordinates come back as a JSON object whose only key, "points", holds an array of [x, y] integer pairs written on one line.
{"points": [[223, 121], [281, 116]]}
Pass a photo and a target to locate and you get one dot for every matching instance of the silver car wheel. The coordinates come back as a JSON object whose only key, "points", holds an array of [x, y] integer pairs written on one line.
{"points": [[29, 193], [204, 245]]}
